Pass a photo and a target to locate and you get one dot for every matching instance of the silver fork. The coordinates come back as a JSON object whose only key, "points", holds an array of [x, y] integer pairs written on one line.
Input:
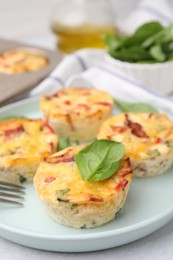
{"points": [[12, 191]]}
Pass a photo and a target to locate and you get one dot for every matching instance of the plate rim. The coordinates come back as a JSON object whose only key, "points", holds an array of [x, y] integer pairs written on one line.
{"points": [[102, 234]]}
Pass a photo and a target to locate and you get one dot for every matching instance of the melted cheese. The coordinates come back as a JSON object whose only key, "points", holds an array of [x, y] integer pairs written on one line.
{"points": [[78, 102], [19, 61], [25, 139], [65, 182], [157, 127]]}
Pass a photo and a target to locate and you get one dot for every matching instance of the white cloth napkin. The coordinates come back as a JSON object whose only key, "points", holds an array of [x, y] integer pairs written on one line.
{"points": [[145, 11], [88, 68]]}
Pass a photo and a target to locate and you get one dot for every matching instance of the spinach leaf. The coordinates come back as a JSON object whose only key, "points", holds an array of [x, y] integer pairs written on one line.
{"points": [[156, 37], [151, 43], [113, 42], [157, 53], [143, 32], [135, 107], [64, 142], [170, 57], [132, 54], [11, 117], [99, 160]]}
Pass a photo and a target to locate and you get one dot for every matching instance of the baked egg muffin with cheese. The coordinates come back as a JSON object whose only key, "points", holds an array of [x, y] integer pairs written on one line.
{"points": [[77, 113], [20, 61], [24, 143], [148, 140], [73, 202]]}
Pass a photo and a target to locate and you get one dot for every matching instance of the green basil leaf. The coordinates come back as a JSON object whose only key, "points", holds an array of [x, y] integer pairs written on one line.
{"points": [[170, 57], [170, 46], [135, 107], [157, 53], [143, 32], [99, 160], [113, 42], [11, 117], [64, 142], [132, 54], [157, 37], [151, 43]]}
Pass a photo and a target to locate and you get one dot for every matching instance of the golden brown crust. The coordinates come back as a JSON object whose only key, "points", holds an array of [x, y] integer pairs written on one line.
{"points": [[19, 61], [60, 186], [77, 112], [23, 144]]}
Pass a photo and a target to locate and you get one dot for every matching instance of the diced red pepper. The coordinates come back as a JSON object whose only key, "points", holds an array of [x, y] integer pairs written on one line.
{"points": [[68, 119], [95, 199], [119, 129], [126, 169], [60, 160], [70, 159], [83, 106], [52, 147], [50, 129], [13, 131], [46, 125], [67, 102], [49, 179], [158, 140], [55, 95], [104, 104], [122, 184]]}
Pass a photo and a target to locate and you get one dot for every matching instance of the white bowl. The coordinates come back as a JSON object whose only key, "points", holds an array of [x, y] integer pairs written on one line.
{"points": [[158, 76]]}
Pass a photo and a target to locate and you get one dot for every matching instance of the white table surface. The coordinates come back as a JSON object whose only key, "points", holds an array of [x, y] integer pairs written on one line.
{"points": [[29, 21]]}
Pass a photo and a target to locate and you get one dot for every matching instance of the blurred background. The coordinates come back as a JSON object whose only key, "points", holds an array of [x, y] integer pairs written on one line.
{"points": [[30, 20]]}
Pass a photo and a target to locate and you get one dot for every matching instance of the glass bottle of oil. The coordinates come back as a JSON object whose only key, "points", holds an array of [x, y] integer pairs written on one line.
{"points": [[82, 23]]}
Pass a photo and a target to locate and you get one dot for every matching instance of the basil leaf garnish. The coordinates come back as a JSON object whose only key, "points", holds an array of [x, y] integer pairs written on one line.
{"points": [[64, 142], [11, 117], [99, 160], [135, 107]]}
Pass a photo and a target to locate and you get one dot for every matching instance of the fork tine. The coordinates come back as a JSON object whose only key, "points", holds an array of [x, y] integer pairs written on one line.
{"points": [[12, 190], [11, 185], [10, 195], [11, 202]]}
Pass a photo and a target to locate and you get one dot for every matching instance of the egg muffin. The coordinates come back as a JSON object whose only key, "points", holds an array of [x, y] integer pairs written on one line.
{"points": [[77, 112], [148, 140], [73, 202], [24, 143], [20, 61]]}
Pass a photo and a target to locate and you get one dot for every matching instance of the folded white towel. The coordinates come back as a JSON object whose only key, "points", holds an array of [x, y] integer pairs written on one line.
{"points": [[145, 11]]}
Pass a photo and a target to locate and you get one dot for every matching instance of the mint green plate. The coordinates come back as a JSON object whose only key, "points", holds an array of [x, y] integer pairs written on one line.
{"points": [[148, 207]]}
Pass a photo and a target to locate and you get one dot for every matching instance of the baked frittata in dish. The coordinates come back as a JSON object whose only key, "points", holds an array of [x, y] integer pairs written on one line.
{"points": [[77, 113], [148, 140], [20, 61], [70, 200], [24, 143]]}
